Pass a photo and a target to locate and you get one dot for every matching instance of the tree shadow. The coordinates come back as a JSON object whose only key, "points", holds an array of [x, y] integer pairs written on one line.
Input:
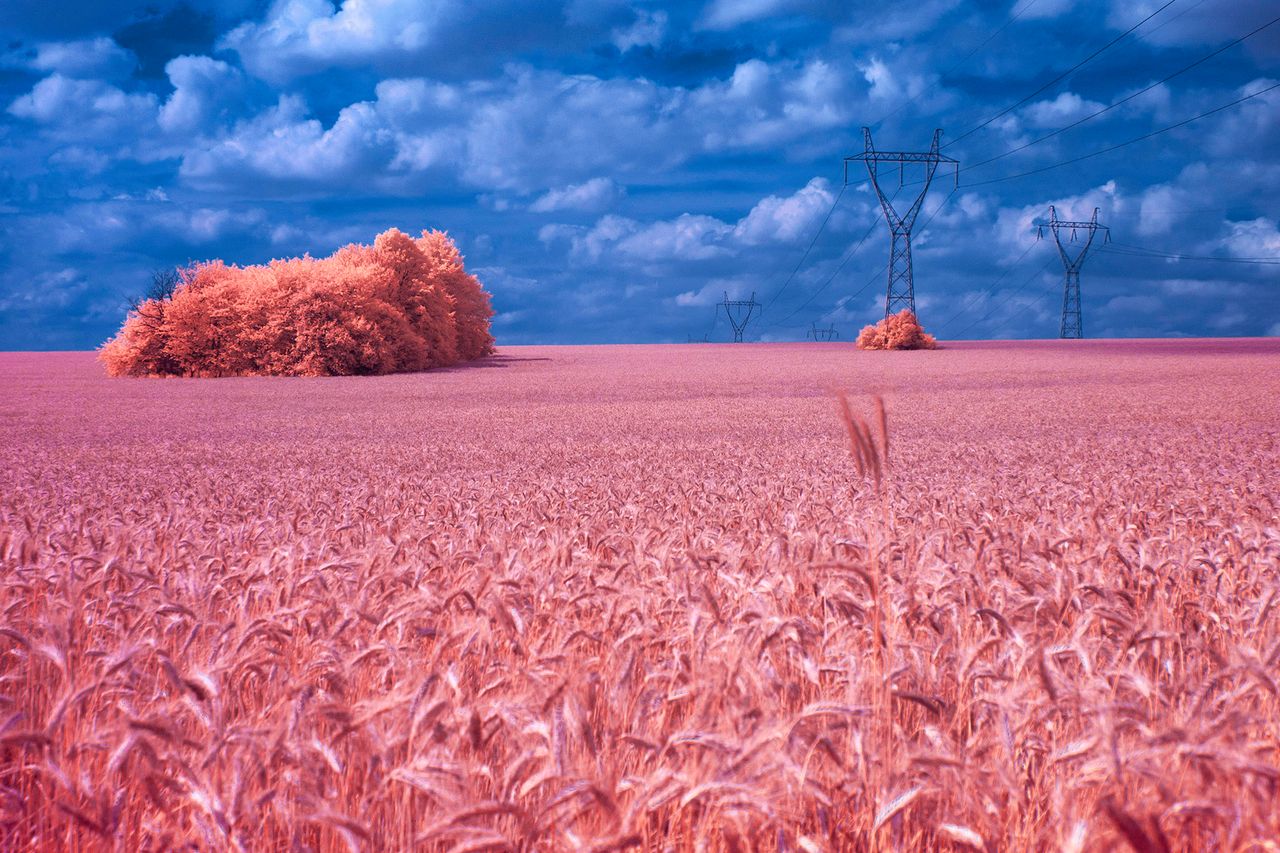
{"points": [[497, 360]]}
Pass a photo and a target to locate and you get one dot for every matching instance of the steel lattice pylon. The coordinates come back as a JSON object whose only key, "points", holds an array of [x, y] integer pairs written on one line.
{"points": [[739, 312], [1072, 320], [901, 292], [827, 334]]}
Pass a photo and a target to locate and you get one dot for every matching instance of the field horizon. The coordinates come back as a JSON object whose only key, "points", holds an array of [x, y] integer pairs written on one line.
{"points": [[943, 343], [648, 596]]}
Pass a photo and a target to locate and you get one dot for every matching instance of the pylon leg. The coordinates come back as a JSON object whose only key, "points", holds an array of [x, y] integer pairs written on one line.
{"points": [[901, 293], [1072, 325]]}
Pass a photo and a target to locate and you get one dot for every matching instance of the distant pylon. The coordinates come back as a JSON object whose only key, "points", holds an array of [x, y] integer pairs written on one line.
{"points": [[701, 340], [739, 312], [901, 292], [827, 334], [1072, 323]]}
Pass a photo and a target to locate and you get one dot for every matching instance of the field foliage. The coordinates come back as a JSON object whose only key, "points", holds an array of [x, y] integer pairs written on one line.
{"points": [[664, 598]]}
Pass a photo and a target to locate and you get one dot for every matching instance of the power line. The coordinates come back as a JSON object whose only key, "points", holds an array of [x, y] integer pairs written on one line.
{"points": [[812, 243], [900, 292], [966, 58], [1063, 75], [1120, 145], [1128, 98], [972, 299], [1020, 288], [848, 257], [1049, 292], [1174, 19], [1139, 252], [1197, 257], [869, 281]]}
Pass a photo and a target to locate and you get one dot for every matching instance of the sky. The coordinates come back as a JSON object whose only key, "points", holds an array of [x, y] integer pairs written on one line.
{"points": [[611, 169]]}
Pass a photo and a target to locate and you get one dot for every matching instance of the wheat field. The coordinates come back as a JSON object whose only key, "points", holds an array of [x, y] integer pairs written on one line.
{"points": [[652, 598]]}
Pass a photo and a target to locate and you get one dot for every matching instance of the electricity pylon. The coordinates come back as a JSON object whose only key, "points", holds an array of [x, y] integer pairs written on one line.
{"points": [[1072, 324], [901, 293], [827, 334], [734, 309]]}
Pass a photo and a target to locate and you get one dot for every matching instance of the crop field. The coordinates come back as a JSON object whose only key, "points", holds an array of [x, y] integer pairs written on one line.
{"points": [[658, 598]]}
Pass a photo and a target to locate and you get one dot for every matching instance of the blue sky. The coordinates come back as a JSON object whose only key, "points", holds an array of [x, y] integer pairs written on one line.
{"points": [[610, 168]]}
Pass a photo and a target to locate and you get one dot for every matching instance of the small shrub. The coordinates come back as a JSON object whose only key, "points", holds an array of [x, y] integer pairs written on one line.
{"points": [[897, 331]]}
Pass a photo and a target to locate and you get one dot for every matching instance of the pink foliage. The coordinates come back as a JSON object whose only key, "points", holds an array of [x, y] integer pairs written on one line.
{"points": [[897, 331], [398, 305]]}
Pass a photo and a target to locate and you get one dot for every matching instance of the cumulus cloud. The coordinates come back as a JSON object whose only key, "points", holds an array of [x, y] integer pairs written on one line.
{"points": [[84, 108], [776, 219], [1064, 109], [1160, 207], [203, 90], [1016, 227], [302, 36], [94, 58], [885, 85], [527, 131], [1256, 238], [285, 146], [593, 195], [696, 237]]}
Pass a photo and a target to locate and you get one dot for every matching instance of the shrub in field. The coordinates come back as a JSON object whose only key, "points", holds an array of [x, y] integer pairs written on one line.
{"points": [[398, 305], [897, 331]]}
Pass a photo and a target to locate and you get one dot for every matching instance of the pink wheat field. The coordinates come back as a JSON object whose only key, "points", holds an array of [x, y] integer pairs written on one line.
{"points": [[709, 597]]}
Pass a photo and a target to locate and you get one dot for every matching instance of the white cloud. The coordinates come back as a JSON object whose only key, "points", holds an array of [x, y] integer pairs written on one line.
{"points": [[884, 85], [282, 144], [648, 30], [694, 237], [1064, 109], [84, 108], [299, 36], [595, 194], [688, 237], [203, 87], [1015, 227], [526, 131], [1256, 238], [713, 291], [1161, 207], [727, 14], [785, 219], [94, 58]]}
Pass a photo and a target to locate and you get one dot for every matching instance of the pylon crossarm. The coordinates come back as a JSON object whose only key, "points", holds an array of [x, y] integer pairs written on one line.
{"points": [[903, 157]]}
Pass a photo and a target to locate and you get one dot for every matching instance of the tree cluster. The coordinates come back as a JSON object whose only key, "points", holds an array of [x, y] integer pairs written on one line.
{"points": [[402, 304]]}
